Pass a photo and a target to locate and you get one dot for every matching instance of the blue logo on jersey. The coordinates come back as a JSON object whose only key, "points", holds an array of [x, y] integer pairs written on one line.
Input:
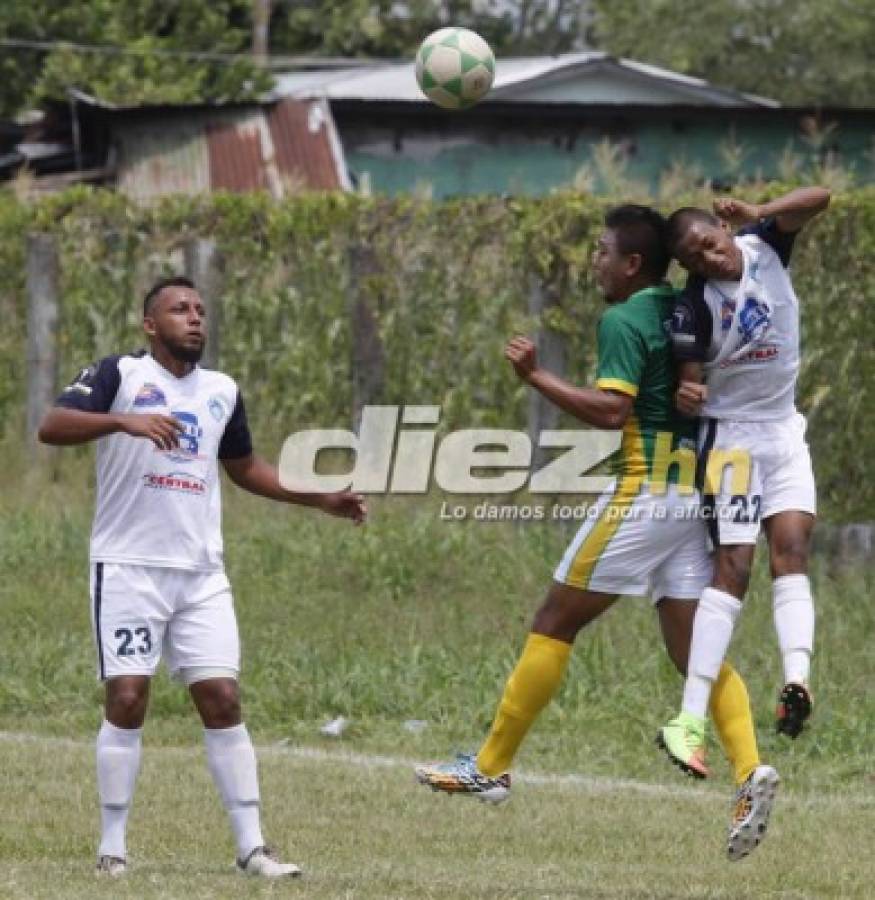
{"points": [[753, 320], [217, 408], [727, 311], [150, 395], [189, 438]]}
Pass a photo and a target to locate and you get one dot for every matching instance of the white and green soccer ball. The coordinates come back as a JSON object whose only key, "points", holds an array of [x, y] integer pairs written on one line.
{"points": [[455, 68]]}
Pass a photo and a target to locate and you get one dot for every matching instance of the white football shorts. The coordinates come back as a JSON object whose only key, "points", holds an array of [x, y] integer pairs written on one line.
{"points": [[739, 495], [141, 613], [641, 544]]}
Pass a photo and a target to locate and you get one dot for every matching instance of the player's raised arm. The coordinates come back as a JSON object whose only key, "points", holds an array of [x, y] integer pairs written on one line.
{"points": [[791, 212], [256, 475], [606, 409]]}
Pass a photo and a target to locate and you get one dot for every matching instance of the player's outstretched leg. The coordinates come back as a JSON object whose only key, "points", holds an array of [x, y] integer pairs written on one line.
{"points": [[756, 783], [751, 811], [531, 686]]}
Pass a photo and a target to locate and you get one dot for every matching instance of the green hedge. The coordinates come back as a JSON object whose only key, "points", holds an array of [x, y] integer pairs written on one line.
{"points": [[450, 283]]}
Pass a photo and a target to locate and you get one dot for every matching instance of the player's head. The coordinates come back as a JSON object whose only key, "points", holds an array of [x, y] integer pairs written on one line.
{"points": [[631, 253], [174, 318], [702, 244]]}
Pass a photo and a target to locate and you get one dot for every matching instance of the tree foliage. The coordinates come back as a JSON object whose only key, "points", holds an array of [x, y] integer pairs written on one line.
{"points": [[387, 28], [147, 29], [798, 51]]}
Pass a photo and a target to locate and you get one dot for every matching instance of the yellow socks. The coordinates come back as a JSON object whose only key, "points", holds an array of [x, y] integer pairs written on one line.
{"points": [[733, 722], [529, 689]]}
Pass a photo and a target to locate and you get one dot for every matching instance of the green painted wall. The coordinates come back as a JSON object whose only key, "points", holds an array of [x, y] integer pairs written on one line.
{"points": [[506, 162]]}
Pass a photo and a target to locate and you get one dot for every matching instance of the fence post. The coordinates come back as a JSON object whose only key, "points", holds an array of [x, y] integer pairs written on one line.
{"points": [[368, 357], [43, 313], [204, 266], [544, 415]]}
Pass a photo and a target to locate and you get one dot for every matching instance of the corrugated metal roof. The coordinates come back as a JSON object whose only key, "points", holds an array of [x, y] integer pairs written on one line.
{"points": [[396, 81]]}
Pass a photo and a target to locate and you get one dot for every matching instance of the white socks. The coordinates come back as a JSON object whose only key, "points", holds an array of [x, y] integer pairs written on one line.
{"points": [[712, 632], [118, 762], [794, 623], [231, 759]]}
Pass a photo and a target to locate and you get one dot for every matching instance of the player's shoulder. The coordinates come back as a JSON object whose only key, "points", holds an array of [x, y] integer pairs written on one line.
{"points": [[621, 316], [218, 382], [109, 368], [768, 240]]}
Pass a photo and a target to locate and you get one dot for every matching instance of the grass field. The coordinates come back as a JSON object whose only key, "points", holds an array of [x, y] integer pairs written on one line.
{"points": [[413, 618]]}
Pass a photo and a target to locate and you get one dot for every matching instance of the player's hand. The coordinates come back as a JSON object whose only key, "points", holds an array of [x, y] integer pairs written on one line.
{"points": [[163, 431], [736, 213], [690, 397], [345, 505], [522, 355]]}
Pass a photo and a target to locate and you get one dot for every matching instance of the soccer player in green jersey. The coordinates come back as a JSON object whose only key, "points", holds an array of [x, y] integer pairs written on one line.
{"points": [[645, 537]]}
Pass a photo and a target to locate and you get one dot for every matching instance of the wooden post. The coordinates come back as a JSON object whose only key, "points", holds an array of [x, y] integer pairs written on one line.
{"points": [[43, 313], [203, 265], [261, 30], [846, 546], [368, 357], [544, 415]]}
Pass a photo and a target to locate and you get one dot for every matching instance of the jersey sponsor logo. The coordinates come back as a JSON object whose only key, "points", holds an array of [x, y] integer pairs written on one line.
{"points": [[217, 408], [753, 320], [762, 354], [150, 395], [176, 481], [189, 437]]}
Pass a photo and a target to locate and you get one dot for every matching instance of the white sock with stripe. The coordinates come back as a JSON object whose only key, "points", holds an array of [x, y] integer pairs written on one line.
{"points": [[793, 608], [118, 762], [231, 759], [712, 632]]}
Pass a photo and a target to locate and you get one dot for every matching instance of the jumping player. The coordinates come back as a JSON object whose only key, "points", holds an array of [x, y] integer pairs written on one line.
{"points": [[737, 323], [158, 586], [628, 547]]}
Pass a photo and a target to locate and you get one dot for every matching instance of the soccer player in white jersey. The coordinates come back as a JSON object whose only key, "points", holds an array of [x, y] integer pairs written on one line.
{"points": [[158, 586], [737, 324]]}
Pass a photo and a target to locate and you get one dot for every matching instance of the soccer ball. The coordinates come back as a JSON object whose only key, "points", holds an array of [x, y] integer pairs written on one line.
{"points": [[455, 68]]}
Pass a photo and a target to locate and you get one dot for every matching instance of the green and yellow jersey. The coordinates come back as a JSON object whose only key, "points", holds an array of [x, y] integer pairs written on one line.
{"points": [[635, 358]]}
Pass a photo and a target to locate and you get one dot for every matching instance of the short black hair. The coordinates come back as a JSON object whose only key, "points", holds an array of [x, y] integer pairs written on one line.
{"points": [[680, 221], [641, 230], [155, 290]]}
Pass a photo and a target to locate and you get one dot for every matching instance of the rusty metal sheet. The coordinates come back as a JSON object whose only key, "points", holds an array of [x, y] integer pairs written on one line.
{"points": [[305, 144]]}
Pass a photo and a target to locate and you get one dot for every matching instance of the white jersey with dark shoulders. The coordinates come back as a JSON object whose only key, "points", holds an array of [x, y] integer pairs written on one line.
{"points": [[155, 507], [746, 333]]}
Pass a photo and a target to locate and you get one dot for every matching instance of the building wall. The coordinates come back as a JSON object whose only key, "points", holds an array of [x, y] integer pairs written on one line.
{"points": [[537, 151]]}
